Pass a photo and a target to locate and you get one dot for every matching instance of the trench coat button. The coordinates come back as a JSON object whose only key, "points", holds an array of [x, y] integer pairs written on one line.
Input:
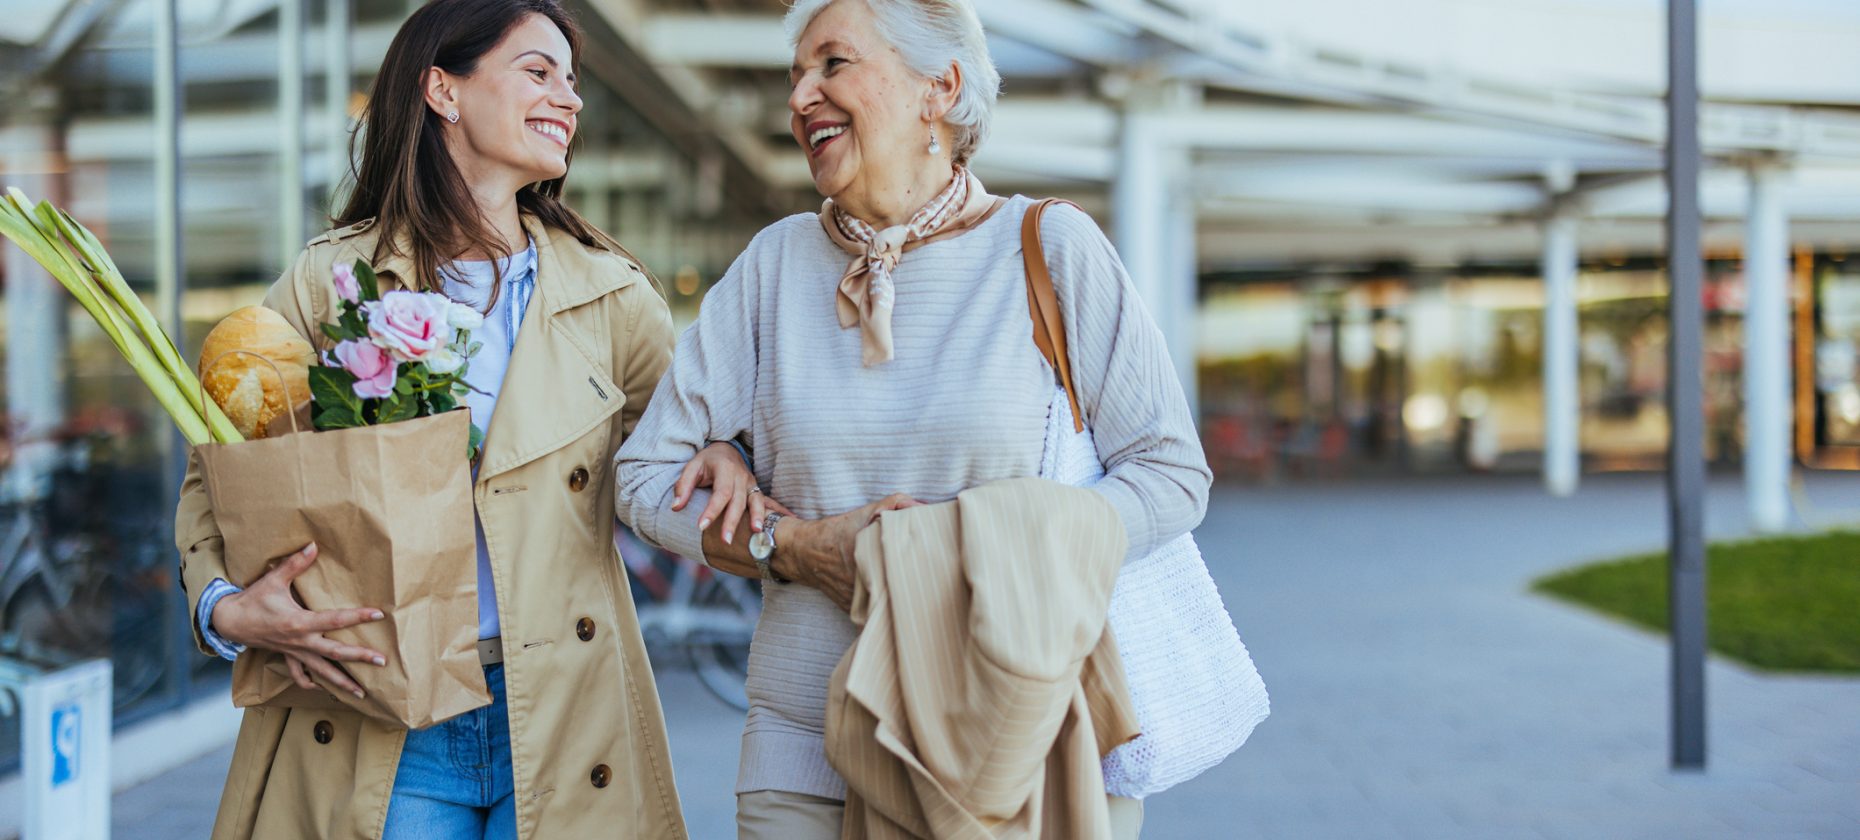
{"points": [[585, 629], [578, 480], [323, 732], [600, 775]]}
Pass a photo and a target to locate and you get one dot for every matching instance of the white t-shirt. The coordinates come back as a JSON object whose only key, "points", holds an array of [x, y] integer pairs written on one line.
{"points": [[469, 282]]}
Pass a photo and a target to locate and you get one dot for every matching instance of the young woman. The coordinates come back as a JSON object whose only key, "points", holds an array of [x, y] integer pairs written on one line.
{"points": [[467, 138]]}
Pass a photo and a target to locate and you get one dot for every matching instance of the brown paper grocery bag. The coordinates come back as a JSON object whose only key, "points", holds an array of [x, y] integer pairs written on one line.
{"points": [[390, 509]]}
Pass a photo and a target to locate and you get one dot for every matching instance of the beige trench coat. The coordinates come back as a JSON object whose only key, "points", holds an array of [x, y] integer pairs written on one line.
{"points": [[587, 735], [985, 685]]}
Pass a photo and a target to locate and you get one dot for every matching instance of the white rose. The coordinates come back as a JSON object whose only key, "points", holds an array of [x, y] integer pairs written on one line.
{"points": [[444, 361], [462, 317]]}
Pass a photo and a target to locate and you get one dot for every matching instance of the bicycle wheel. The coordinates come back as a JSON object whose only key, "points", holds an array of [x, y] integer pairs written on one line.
{"points": [[720, 655]]}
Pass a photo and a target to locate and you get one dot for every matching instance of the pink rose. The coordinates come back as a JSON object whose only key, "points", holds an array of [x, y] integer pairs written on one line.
{"points": [[372, 366], [410, 325], [346, 285]]}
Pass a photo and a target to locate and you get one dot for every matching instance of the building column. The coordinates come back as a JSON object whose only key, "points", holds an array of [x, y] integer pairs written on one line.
{"points": [[1562, 355], [291, 231], [35, 306], [1153, 221], [338, 29], [1184, 286], [1768, 410]]}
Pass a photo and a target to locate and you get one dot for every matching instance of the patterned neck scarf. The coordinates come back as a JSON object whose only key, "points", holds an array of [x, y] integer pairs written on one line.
{"points": [[866, 292]]}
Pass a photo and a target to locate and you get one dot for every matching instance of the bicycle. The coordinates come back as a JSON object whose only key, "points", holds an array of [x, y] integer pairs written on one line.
{"points": [[83, 568], [685, 606]]}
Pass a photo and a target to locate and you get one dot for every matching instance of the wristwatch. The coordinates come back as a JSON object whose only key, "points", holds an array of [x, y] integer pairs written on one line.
{"points": [[762, 547]]}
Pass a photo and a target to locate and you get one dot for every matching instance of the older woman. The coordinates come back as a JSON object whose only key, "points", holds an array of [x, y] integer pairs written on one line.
{"points": [[910, 375]]}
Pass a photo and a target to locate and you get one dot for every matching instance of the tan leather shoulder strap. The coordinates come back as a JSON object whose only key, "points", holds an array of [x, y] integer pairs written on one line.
{"points": [[1049, 328]]}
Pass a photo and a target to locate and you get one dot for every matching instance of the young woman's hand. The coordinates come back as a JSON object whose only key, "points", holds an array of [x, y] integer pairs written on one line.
{"points": [[732, 486], [267, 615]]}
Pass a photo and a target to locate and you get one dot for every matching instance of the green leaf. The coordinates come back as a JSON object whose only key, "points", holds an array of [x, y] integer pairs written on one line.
{"points": [[441, 402], [398, 408], [332, 390], [403, 387], [352, 324], [324, 419], [334, 333], [476, 442], [365, 279]]}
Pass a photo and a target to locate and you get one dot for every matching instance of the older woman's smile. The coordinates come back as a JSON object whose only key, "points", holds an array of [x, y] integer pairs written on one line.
{"points": [[823, 132]]}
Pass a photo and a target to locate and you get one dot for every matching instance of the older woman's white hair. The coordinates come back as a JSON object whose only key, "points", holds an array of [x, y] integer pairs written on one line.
{"points": [[931, 35]]}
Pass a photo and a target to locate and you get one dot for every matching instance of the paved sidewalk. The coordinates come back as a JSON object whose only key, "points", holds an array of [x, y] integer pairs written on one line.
{"points": [[1418, 689]]}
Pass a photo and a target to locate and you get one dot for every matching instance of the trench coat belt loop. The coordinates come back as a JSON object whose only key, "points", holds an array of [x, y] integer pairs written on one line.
{"points": [[491, 651]]}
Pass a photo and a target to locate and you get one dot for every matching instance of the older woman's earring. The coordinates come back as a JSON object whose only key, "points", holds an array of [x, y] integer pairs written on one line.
{"points": [[452, 117], [936, 145]]}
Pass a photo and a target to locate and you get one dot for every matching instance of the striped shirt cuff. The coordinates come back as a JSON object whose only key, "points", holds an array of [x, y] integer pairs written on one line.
{"points": [[216, 590], [743, 451]]}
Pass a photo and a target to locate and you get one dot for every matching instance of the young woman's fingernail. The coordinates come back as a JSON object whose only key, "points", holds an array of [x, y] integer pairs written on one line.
{"points": [[377, 615], [703, 524], [359, 695], [380, 660]]}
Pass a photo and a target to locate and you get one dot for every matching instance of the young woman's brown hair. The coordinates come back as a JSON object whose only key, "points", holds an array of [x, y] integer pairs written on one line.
{"points": [[407, 181]]}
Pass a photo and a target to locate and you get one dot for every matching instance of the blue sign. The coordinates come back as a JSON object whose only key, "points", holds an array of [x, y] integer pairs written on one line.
{"points": [[66, 727]]}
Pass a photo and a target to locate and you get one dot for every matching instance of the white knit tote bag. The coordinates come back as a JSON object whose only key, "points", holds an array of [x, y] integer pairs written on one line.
{"points": [[1196, 693]]}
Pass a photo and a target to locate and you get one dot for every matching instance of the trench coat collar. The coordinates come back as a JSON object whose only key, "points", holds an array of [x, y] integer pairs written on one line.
{"points": [[553, 380], [555, 383]]}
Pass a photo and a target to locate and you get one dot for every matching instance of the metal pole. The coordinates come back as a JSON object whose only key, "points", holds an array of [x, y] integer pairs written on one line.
{"points": [[169, 280], [338, 28], [291, 126], [1562, 394], [1685, 469], [1768, 410]]}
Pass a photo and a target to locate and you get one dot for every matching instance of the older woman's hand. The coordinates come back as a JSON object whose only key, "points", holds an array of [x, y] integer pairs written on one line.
{"points": [[819, 552], [732, 489]]}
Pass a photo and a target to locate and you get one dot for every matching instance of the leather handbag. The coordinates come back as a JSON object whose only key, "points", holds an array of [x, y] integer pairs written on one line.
{"points": [[1196, 692]]}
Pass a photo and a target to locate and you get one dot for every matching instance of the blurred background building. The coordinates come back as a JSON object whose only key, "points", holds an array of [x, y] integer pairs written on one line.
{"points": [[1382, 237]]}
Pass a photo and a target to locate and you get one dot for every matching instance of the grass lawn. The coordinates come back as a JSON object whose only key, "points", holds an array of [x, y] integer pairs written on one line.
{"points": [[1785, 604]]}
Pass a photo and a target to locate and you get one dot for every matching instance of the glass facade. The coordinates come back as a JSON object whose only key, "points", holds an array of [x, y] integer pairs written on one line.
{"points": [[1387, 368]]}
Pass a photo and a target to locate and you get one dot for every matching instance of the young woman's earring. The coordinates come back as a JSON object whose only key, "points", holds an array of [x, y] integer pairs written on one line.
{"points": [[452, 117], [936, 146]]}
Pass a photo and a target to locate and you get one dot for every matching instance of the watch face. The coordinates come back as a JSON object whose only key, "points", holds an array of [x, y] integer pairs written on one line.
{"points": [[759, 547]]}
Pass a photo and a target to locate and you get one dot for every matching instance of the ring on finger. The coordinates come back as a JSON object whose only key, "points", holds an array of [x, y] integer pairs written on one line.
{"points": [[754, 490]]}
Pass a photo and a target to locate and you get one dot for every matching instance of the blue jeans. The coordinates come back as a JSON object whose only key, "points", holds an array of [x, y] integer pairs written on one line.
{"points": [[454, 781]]}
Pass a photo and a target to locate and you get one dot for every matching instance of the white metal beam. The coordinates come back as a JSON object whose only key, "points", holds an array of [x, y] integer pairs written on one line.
{"points": [[723, 40], [1104, 34], [1062, 28]]}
